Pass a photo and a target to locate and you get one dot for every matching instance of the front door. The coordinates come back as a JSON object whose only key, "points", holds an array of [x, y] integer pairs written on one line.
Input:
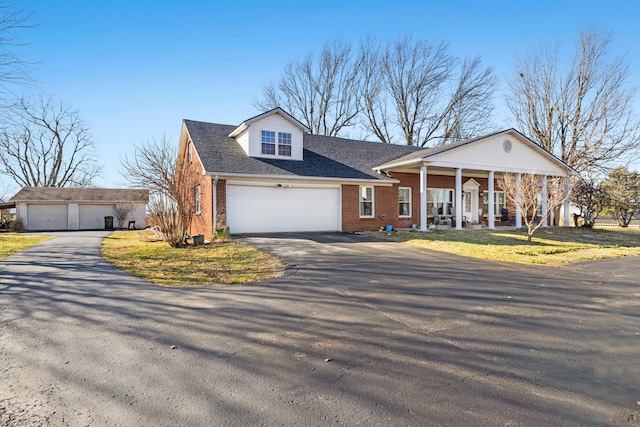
{"points": [[470, 211], [471, 191]]}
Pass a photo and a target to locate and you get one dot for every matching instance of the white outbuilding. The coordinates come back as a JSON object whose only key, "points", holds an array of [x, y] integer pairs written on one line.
{"points": [[53, 209]]}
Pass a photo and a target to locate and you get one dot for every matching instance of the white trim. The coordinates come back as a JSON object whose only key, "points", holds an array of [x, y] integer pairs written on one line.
{"points": [[432, 159], [423, 197], [245, 125], [373, 201], [518, 198], [491, 201], [458, 197], [545, 197], [410, 202], [347, 181]]}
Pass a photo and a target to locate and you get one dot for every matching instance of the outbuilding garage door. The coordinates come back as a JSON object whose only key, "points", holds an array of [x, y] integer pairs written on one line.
{"points": [[47, 217], [255, 209], [92, 216]]}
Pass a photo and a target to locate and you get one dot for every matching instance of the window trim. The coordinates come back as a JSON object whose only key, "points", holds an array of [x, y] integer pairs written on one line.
{"points": [[485, 195], [449, 203], [372, 201], [198, 197], [284, 136], [268, 143], [410, 202], [189, 151]]}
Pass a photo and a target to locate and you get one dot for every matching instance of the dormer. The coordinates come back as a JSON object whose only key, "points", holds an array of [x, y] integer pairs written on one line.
{"points": [[271, 135]]}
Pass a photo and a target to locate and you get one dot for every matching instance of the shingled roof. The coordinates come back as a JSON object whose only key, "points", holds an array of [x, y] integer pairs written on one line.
{"points": [[324, 157], [55, 194]]}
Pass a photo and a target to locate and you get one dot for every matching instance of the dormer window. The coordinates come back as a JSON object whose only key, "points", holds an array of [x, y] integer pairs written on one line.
{"points": [[268, 142], [284, 144], [272, 135]]}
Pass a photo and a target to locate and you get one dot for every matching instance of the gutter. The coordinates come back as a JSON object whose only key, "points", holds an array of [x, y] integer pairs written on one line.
{"points": [[299, 178]]}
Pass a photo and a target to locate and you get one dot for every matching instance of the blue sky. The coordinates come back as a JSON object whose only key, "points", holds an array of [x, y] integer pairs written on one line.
{"points": [[134, 70]]}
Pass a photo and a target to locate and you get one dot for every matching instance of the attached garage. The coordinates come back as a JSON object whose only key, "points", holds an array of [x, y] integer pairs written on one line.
{"points": [[47, 217], [282, 208], [92, 216]]}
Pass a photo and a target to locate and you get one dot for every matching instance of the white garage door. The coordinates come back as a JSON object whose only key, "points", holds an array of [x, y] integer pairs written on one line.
{"points": [[47, 217], [254, 209], [92, 216]]}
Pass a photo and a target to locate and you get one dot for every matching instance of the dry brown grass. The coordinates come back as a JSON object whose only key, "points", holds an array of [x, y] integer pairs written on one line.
{"points": [[141, 254]]}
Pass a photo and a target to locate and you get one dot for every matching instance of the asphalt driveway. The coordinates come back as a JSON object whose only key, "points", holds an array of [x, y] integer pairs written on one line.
{"points": [[357, 332]]}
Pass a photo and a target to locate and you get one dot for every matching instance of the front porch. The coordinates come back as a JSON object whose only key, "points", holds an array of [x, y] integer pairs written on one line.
{"points": [[459, 182]]}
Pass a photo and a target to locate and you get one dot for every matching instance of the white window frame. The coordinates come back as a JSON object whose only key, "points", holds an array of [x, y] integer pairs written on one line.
{"points": [[189, 151], [283, 137], [410, 202], [263, 143], [497, 207], [372, 201], [198, 200], [448, 204]]}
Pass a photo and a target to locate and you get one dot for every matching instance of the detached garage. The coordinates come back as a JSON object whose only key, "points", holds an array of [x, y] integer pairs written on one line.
{"points": [[54, 209]]}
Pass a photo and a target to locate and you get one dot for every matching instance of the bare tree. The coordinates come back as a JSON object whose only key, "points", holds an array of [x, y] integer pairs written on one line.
{"points": [[320, 91], [525, 193], [14, 70], [122, 211], [156, 165], [47, 144], [417, 91], [589, 198], [582, 112], [622, 195]]}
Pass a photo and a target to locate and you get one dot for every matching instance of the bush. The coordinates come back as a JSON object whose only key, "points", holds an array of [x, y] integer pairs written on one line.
{"points": [[223, 234], [17, 225]]}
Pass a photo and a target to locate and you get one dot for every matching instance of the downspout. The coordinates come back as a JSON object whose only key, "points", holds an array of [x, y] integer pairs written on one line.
{"points": [[215, 204]]}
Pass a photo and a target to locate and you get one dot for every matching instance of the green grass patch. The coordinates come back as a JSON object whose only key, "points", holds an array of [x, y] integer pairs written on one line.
{"points": [[10, 243], [207, 265], [553, 245]]}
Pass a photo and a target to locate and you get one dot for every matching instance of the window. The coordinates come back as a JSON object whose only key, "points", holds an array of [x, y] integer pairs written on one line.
{"points": [[366, 202], [197, 199], [442, 199], [189, 155], [498, 199], [284, 144], [404, 201], [268, 142], [539, 205]]}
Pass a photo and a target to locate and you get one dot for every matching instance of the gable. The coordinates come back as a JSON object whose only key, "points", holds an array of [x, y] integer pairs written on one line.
{"points": [[503, 152], [250, 139]]}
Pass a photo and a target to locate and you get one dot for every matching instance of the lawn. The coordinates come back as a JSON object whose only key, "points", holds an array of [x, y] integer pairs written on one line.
{"points": [[10, 243], [550, 246], [207, 265]]}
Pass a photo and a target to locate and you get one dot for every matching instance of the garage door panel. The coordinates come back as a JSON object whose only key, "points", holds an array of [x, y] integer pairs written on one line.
{"points": [[47, 217], [92, 216], [255, 209]]}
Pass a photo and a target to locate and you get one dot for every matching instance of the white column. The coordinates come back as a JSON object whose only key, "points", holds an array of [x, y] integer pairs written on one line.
{"points": [[566, 201], [519, 198], [423, 198], [491, 202], [544, 199], [458, 199]]}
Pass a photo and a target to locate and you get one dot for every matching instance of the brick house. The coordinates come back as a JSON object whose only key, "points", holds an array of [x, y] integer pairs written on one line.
{"points": [[270, 175]]}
